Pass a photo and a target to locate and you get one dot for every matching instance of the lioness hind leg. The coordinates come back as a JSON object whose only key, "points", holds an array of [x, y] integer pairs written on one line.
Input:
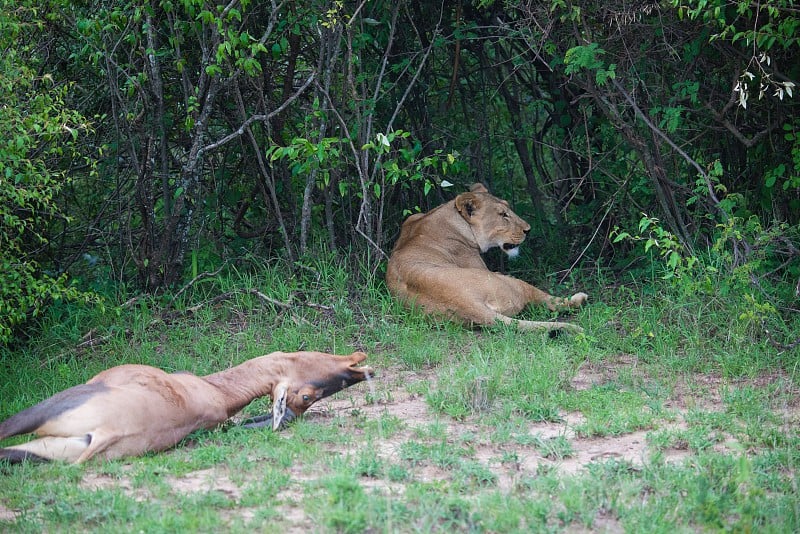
{"points": [[540, 326]]}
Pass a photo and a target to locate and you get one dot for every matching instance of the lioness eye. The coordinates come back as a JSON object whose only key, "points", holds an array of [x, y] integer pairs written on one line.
{"points": [[504, 215]]}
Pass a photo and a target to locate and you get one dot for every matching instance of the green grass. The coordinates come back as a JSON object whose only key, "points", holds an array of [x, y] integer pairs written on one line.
{"points": [[502, 436]]}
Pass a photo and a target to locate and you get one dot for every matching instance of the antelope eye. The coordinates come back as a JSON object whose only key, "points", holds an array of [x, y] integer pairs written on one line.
{"points": [[306, 398]]}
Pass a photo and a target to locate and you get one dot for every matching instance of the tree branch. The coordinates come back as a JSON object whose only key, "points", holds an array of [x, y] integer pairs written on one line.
{"points": [[259, 118]]}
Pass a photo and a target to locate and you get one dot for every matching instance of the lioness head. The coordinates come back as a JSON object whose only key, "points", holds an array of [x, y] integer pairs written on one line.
{"points": [[491, 220]]}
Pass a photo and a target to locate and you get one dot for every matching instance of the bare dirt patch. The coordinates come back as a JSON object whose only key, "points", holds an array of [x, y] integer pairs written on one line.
{"points": [[395, 399], [206, 480], [7, 514], [94, 481], [707, 391], [621, 369]]}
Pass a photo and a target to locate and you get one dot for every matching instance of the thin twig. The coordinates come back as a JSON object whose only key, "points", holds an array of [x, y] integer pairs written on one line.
{"points": [[594, 235], [373, 243], [777, 344], [91, 340], [259, 118], [200, 276], [261, 296]]}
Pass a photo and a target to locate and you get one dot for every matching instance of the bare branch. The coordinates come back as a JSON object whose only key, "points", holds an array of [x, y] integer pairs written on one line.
{"points": [[657, 131], [197, 278], [256, 293], [259, 118]]}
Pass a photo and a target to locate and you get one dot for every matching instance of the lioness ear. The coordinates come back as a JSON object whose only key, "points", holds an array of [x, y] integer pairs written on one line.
{"points": [[467, 204], [478, 188]]}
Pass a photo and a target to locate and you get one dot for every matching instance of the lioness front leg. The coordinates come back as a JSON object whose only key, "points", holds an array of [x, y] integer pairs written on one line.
{"points": [[534, 295]]}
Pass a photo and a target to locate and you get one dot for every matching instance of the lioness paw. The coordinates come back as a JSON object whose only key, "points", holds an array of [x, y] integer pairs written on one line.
{"points": [[578, 299], [562, 303]]}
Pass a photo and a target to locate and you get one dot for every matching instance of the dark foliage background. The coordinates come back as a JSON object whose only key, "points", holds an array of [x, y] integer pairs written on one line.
{"points": [[147, 142]]}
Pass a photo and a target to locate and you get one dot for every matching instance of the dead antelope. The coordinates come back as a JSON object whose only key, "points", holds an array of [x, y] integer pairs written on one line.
{"points": [[131, 409]]}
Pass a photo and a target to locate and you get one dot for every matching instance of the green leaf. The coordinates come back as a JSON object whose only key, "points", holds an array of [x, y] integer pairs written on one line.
{"points": [[621, 236]]}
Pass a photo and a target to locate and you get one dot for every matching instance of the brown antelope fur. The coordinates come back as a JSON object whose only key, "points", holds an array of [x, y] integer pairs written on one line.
{"points": [[132, 409], [436, 264]]}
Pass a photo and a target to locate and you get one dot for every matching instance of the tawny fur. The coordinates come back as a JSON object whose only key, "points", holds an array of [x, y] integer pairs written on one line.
{"points": [[437, 264], [132, 409]]}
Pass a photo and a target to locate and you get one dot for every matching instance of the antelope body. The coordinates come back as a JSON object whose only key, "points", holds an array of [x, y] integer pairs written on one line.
{"points": [[131, 409]]}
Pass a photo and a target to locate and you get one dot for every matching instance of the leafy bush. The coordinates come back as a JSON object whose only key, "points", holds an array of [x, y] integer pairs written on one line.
{"points": [[40, 132]]}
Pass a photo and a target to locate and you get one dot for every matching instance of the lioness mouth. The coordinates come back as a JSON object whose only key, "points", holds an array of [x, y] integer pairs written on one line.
{"points": [[511, 249]]}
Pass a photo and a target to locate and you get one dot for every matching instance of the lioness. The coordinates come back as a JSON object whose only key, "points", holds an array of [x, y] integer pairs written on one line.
{"points": [[436, 264]]}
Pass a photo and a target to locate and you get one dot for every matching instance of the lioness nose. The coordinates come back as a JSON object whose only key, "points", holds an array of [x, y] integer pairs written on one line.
{"points": [[527, 230]]}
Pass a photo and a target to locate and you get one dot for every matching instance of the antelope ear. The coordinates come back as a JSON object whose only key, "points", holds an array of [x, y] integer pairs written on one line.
{"points": [[279, 405], [357, 357]]}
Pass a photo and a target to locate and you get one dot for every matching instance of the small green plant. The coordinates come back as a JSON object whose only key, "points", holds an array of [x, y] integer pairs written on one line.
{"points": [[397, 473], [588, 57], [608, 410], [677, 260], [346, 508], [477, 473], [554, 448], [403, 165], [368, 464]]}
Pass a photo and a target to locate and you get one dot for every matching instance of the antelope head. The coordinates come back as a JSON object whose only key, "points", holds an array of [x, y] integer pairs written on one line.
{"points": [[306, 378]]}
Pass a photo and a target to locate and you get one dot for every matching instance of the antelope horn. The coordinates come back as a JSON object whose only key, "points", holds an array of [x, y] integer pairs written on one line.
{"points": [[281, 414]]}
